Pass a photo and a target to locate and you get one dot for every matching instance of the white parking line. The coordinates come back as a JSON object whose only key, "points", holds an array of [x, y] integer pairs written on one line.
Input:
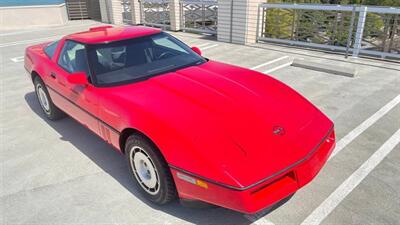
{"points": [[202, 45], [17, 59], [327, 206], [269, 62], [28, 41], [208, 47], [364, 125], [50, 28], [278, 67]]}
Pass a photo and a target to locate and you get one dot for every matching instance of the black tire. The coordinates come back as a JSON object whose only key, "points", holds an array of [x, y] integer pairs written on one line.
{"points": [[50, 110], [165, 191]]}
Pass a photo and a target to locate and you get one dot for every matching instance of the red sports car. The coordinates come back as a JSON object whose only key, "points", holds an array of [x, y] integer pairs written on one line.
{"points": [[189, 127]]}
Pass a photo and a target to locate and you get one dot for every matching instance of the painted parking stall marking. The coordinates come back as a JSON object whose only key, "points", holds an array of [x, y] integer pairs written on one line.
{"points": [[330, 203], [29, 41], [272, 62], [17, 59], [203, 44], [51, 28], [269, 62], [278, 67], [208, 47], [342, 143]]}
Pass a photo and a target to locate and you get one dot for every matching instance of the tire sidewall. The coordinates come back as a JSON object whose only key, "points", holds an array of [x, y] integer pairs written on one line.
{"points": [[38, 82], [158, 162], [54, 113]]}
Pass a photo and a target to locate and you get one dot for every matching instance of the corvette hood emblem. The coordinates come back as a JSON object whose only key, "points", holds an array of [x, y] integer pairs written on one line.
{"points": [[278, 130]]}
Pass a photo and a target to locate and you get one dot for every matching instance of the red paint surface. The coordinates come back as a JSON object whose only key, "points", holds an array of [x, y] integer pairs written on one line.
{"points": [[214, 120], [109, 34]]}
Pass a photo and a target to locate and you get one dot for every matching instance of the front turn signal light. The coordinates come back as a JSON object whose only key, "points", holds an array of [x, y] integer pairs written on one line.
{"points": [[192, 180]]}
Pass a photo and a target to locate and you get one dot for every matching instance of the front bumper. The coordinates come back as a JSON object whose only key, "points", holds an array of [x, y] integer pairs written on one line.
{"points": [[264, 194]]}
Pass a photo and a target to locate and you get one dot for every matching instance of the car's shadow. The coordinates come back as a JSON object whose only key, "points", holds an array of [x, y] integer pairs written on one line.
{"points": [[113, 163]]}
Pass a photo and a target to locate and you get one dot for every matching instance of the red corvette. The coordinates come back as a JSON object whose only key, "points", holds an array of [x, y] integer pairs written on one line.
{"points": [[190, 127]]}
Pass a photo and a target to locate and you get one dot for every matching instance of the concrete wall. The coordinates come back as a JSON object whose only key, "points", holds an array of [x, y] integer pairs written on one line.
{"points": [[237, 20], [135, 7], [32, 16], [224, 20], [115, 11], [105, 11]]}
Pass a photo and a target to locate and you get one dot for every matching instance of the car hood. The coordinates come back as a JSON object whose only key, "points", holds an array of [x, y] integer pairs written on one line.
{"points": [[241, 122]]}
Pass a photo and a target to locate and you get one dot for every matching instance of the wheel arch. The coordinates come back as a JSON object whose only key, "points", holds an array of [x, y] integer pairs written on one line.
{"points": [[34, 74], [130, 131]]}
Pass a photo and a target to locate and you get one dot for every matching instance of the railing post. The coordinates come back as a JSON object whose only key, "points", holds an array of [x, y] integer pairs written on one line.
{"points": [[175, 14], [114, 8], [182, 15], [239, 18], [258, 22], [351, 28], [253, 22], [142, 14], [135, 11], [360, 30], [105, 11], [224, 20]]}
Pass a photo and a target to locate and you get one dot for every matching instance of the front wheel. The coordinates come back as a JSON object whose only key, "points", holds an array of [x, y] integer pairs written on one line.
{"points": [[50, 110], [149, 170]]}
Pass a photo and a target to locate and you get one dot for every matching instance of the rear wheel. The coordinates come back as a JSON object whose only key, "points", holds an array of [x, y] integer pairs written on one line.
{"points": [[50, 110], [149, 170]]}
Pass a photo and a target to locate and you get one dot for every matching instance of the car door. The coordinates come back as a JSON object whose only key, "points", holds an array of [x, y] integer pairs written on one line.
{"points": [[79, 101]]}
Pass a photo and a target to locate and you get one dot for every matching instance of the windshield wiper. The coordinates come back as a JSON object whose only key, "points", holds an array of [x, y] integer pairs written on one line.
{"points": [[195, 63], [160, 69]]}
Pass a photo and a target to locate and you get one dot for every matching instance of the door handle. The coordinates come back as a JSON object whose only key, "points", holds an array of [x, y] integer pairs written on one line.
{"points": [[53, 75]]}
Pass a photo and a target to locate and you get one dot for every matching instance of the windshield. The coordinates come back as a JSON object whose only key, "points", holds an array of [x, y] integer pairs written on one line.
{"points": [[135, 59]]}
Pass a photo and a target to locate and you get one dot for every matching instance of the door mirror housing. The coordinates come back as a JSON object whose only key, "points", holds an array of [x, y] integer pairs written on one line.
{"points": [[197, 50], [78, 78]]}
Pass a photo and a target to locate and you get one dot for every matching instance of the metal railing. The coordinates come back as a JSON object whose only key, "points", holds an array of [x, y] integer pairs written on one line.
{"points": [[155, 13], [381, 34], [358, 29], [126, 11], [199, 16]]}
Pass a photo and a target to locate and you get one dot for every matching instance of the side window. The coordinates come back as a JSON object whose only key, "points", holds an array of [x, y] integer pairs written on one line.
{"points": [[73, 57], [50, 49], [167, 43]]}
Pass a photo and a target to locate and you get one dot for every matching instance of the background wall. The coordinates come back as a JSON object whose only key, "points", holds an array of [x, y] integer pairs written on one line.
{"points": [[29, 2], [15, 17]]}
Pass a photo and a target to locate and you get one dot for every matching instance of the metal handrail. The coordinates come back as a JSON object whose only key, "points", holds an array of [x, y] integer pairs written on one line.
{"points": [[373, 9], [331, 32]]}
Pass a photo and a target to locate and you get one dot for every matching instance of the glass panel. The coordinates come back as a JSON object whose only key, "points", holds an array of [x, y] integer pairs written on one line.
{"points": [[50, 49], [73, 57], [129, 60]]}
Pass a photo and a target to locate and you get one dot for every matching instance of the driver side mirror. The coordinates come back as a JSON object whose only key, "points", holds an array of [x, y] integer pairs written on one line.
{"points": [[197, 50], [78, 78]]}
